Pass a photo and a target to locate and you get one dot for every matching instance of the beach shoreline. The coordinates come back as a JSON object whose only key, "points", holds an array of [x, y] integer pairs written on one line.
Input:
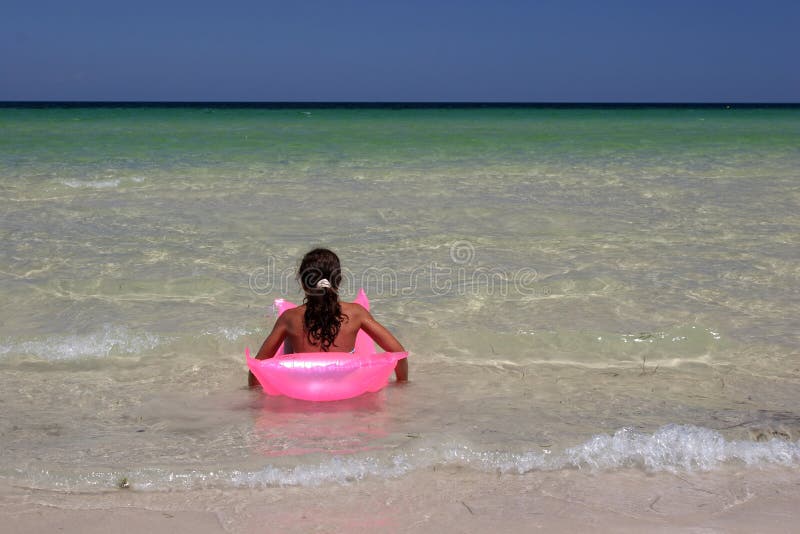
{"points": [[451, 499]]}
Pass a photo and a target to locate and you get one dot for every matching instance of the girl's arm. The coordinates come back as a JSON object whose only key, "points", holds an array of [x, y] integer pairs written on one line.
{"points": [[270, 346], [387, 342]]}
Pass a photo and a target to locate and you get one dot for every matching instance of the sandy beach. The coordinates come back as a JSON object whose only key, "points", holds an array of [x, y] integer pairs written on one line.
{"points": [[445, 500]]}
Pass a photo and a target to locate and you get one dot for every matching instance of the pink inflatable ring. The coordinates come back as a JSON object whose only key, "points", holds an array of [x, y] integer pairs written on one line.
{"points": [[325, 376]]}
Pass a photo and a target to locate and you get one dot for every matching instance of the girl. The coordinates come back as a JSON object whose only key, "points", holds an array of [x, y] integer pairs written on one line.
{"points": [[323, 323]]}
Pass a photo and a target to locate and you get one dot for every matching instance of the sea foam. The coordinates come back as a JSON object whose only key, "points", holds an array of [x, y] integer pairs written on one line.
{"points": [[671, 448], [111, 340], [86, 184]]}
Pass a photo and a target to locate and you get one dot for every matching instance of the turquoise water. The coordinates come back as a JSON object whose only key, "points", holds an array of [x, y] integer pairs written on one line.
{"points": [[577, 287]]}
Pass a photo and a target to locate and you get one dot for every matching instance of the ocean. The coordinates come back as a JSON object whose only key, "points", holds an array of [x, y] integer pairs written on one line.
{"points": [[579, 287]]}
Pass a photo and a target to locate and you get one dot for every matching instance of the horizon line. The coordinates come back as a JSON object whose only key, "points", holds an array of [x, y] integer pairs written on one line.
{"points": [[386, 103]]}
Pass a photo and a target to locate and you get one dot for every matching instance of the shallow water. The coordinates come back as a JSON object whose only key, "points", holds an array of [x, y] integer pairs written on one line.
{"points": [[578, 287]]}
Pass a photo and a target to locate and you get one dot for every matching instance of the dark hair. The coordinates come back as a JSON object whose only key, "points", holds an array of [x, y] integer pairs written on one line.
{"points": [[323, 316]]}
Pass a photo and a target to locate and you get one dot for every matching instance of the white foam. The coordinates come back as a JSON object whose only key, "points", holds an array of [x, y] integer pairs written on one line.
{"points": [[109, 341], [230, 333], [673, 448], [85, 184], [338, 469], [677, 447]]}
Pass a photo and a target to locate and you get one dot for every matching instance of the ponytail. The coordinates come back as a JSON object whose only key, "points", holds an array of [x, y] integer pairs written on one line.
{"points": [[320, 275]]}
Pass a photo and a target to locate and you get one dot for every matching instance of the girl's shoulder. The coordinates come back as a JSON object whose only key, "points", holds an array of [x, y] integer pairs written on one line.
{"points": [[293, 316], [292, 312], [353, 310]]}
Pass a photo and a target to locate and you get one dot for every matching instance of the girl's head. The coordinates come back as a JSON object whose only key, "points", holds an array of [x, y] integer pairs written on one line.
{"points": [[320, 275], [319, 269]]}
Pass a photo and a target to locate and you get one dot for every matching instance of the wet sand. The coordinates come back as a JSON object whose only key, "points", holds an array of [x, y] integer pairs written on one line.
{"points": [[445, 500]]}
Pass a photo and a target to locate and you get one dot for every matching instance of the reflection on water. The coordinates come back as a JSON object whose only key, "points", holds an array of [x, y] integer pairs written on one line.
{"points": [[290, 427]]}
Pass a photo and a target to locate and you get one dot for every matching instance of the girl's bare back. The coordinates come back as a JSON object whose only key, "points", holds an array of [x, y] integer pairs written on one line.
{"points": [[353, 317], [290, 326]]}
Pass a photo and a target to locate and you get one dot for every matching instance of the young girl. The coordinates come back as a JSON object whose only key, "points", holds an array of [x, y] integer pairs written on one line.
{"points": [[323, 323]]}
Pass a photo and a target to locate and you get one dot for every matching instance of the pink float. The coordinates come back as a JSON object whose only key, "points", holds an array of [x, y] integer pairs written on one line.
{"points": [[325, 376]]}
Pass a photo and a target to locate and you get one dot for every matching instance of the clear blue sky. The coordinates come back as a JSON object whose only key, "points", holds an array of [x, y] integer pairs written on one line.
{"points": [[403, 50]]}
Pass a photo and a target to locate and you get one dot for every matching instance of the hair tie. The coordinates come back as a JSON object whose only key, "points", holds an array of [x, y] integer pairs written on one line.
{"points": [[323, 283]]}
